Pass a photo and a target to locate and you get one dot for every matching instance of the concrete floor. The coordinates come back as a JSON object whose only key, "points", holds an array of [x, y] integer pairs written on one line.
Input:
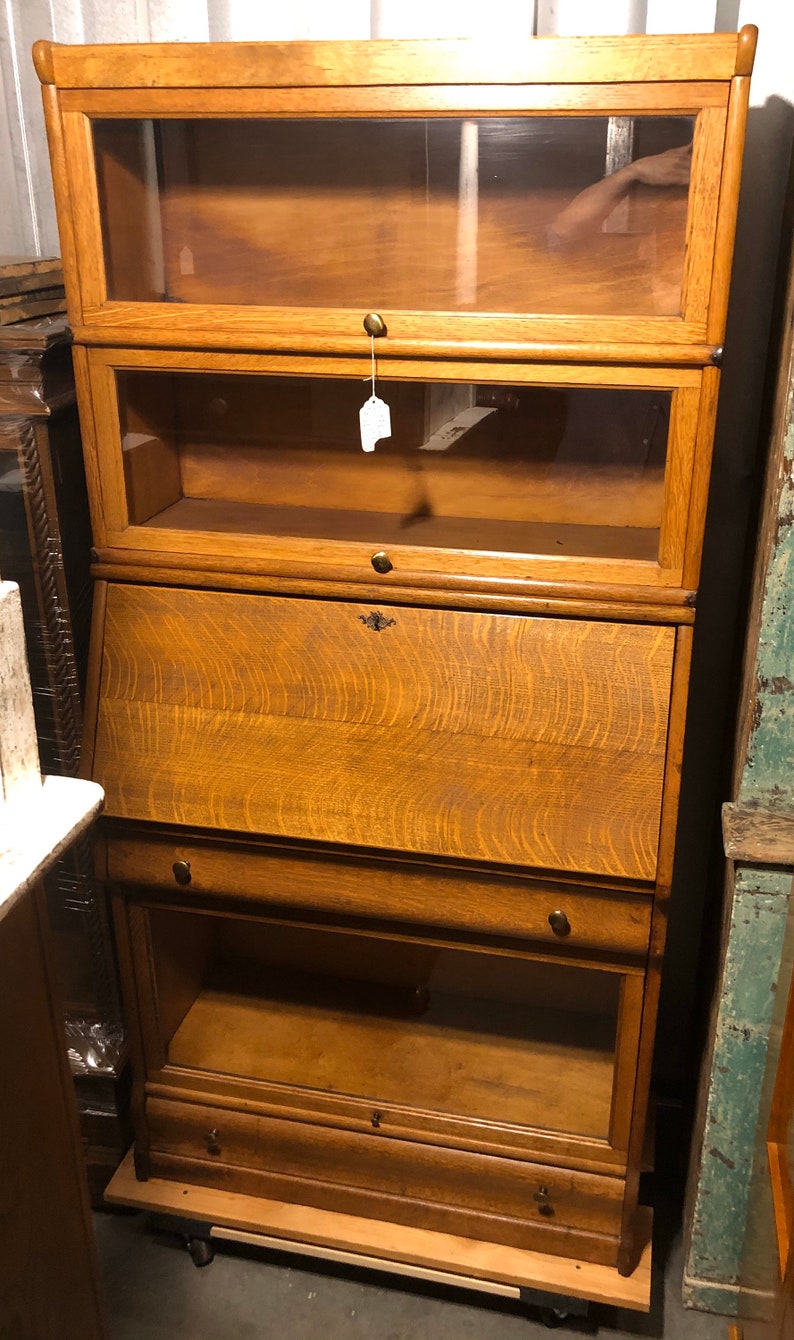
{"points": [[154, 1292]]}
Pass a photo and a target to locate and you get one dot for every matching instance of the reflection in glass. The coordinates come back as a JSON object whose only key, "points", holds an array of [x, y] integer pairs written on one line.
{"points": [[522, 469], [519, 214]]}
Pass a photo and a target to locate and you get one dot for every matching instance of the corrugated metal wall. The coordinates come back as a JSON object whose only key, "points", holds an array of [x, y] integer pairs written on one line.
{"points": [[27, 217]]}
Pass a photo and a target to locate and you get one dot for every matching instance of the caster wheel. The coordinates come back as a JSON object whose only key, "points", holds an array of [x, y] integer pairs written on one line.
{"points": [[201, 1251], [552, 1316]]}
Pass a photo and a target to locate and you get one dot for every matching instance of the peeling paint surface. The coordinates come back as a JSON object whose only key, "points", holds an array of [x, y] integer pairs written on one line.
{"points": [[721, 1298], [769, 767], [746, 1006], [732, 1175]]}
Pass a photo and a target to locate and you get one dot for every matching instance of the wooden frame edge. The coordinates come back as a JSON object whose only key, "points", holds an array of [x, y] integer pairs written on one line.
{"points": [[411, 1246], [696, 58]]}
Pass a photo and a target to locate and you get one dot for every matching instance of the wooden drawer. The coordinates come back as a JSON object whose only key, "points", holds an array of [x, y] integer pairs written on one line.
{"points": [[503, 738], [503, 1200], [484, 903]]}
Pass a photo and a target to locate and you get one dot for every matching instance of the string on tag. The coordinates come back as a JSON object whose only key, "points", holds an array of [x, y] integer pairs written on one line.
{"points": [[374, 415]]}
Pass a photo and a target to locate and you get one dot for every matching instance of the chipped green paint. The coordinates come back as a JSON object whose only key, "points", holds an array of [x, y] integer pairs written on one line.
{"points": [[769, 766], [747, 999], [755, 946], [721, 1224], [721, 1298]]}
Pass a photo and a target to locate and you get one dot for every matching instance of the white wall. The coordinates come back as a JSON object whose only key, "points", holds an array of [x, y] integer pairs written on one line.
{"points": [[27, 217]]}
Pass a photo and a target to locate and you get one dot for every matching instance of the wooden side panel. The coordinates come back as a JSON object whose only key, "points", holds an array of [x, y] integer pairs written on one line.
{"points": [[127, 186], [147, 424], [180, 954], [48, 1272], [537, 742]]}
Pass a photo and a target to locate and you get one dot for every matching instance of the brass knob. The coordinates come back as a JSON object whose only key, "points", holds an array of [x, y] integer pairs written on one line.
{"points": [[541, 1197], [212, 1141], [381, 562], [181, 871], [374, 324], [559, 923], [376, 1119]]}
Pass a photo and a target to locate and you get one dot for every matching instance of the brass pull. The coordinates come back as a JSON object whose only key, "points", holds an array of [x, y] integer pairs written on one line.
{"points": [[541, 1197], [375, 1119], [212, 1141], [559, 923], [374, 324], [181, 871], [381, 562]]}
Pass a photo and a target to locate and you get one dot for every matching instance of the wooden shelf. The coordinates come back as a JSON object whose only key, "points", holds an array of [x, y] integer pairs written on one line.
{"points": [[382, 528], [472, 1057]]}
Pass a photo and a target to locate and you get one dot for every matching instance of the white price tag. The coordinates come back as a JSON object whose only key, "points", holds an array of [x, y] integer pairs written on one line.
{"points": [[375, 419]]}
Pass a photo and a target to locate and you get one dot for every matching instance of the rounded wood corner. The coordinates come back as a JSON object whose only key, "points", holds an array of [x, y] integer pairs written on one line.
{"points": [[43, 61], [745, 51]]}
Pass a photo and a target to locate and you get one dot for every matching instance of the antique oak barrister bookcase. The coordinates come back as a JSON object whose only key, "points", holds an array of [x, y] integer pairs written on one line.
{"points": [[391, 741]]}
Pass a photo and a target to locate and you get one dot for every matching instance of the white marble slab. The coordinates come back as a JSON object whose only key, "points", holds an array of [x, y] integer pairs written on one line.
{"points": [[34, 834], [19, 750]]}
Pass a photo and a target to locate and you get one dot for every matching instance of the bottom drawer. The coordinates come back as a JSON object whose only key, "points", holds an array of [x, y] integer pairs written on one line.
{"points": [[483, 1196]]}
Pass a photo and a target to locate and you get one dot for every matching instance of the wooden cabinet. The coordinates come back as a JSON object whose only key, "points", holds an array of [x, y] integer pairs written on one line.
{"points": [[391, 740]]}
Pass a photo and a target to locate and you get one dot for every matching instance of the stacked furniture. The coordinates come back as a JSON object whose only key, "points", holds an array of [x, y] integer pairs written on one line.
{"points": [[391, 739], [45, 541], [48, 1269], [31, 288]]}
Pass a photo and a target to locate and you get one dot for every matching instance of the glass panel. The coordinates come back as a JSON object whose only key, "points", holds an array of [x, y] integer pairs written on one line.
{"points": [[519, 469], [581, 215], [441, 1030]]}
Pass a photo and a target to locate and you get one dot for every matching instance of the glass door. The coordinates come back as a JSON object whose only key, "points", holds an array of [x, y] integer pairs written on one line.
{"points": [[499, 468], [549, 215], [410, 1034]]}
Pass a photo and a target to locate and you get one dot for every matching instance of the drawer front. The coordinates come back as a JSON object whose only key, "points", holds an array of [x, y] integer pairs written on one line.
{"points": [[490, 737], [302, 1160], [482, 903]]}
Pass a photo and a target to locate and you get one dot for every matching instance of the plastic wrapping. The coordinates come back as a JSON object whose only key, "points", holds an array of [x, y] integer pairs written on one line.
{"points": [[95, 1047], [45, 541]]}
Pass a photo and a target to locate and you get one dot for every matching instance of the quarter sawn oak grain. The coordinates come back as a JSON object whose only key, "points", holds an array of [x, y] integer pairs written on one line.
{"points": [[473, 758], [536, 742]]}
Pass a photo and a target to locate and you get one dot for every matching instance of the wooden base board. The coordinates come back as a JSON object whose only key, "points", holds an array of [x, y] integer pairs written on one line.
{"points": [[382, 1246]]}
